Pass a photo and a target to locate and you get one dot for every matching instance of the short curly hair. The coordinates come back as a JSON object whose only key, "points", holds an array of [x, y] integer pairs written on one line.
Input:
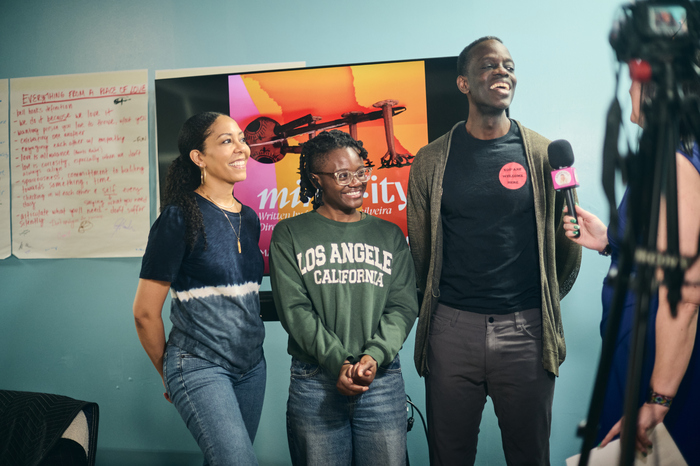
{"points": [[465, 57], [313, 152]]}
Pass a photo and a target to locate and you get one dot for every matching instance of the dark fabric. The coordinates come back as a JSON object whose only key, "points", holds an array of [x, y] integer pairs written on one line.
{"points": [[488, 200], [473, 356], [32, 423], [66, 452], [613, 404]]}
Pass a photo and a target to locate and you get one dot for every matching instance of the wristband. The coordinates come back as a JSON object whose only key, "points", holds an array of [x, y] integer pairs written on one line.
{"points": [[656, 399], [606, 251]]}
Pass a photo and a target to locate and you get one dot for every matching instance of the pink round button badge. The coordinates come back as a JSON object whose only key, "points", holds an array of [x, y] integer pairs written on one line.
{"points": [[513, 175]]}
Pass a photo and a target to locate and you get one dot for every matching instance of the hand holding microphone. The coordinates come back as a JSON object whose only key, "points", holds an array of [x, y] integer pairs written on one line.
{"points": [[561, 159], [587, 230]]}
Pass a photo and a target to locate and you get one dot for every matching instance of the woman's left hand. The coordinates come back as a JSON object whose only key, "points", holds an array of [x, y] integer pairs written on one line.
{"points": [[363, 372], [345, 384], [649, 416]]}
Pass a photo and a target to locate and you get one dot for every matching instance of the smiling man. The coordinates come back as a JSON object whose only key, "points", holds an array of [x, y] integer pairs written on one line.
{"points": [[492, 262]]}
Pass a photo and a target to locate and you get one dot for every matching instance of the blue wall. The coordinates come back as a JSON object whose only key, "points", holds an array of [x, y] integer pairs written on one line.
{"points": [[66, 325]]}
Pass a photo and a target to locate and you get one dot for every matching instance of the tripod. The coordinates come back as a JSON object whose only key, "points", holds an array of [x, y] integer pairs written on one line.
{"points": [[651, 174]]}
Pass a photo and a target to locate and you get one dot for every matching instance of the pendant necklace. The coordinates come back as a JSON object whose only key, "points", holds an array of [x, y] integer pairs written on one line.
{"points": [[240, 225]]}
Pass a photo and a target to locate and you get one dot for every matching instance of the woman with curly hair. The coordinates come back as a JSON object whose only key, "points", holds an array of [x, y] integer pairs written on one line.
{"points": [[203, 248], [344, 288]]}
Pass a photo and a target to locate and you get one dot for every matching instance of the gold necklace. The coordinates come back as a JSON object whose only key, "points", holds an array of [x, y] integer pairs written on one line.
{"points": [[240, 225], [220, 205]]}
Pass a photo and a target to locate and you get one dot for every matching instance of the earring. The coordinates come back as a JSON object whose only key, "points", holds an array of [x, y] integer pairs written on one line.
{"points": [[203, 175], [318, 194]]}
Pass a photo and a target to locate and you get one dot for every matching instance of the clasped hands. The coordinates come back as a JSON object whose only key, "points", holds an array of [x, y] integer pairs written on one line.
{"points": [[355, 379]]}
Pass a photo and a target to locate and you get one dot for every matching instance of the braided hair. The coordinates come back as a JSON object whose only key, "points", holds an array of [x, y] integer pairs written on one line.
{"points": [[314, 152], [184, 176]]}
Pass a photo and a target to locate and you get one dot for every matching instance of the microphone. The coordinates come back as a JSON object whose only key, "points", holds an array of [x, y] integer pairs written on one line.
{"points": [[561, 159]]}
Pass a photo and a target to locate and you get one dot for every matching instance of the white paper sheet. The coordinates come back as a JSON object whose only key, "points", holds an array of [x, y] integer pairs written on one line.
{"points": [[5, 220], [79, 147], [664, 452]]}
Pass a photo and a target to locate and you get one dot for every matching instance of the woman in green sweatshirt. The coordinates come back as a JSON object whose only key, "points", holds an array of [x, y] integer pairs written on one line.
{"points": [[344, 287]]}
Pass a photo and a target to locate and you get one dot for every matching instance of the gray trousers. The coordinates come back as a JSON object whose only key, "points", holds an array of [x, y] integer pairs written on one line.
{"points": [[473, 355]]}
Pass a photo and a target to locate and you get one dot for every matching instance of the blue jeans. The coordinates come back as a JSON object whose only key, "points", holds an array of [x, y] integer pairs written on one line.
{"points": [[326, 428], [220, 408]]}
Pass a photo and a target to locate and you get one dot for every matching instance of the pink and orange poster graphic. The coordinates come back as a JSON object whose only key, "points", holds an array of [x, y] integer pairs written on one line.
{"points": [[283, 102]]}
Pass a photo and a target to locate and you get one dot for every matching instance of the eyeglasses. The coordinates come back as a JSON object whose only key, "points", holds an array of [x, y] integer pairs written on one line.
{"points": [[345, 177]]}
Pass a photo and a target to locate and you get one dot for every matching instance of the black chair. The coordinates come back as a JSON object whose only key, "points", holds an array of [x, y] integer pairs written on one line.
{"points": [[40, 429]]}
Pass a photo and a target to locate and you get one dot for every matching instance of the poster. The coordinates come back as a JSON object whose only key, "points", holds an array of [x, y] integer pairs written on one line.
{"points": [[5, 233], [280, 110], [79, 147]]}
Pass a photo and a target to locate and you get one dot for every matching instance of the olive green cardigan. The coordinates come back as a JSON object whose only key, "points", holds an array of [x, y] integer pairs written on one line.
{"points": [[559, 258]]}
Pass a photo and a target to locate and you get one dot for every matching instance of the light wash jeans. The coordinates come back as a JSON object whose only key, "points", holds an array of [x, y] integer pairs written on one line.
{"points": [[220, 408], [326, 428]]}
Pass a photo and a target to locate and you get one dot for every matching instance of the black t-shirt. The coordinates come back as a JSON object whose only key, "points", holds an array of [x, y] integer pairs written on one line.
{"points": [[490, 259]]}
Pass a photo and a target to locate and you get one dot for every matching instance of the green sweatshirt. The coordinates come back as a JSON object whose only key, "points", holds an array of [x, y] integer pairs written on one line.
{"points": [[342, 289]]}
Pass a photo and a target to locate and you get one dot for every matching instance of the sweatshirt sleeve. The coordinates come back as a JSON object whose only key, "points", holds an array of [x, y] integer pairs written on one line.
{"points": [[295, 309], [399, 313]]}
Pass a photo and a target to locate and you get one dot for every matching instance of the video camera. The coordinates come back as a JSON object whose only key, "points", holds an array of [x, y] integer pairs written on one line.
{"points": [[659, 31]]}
